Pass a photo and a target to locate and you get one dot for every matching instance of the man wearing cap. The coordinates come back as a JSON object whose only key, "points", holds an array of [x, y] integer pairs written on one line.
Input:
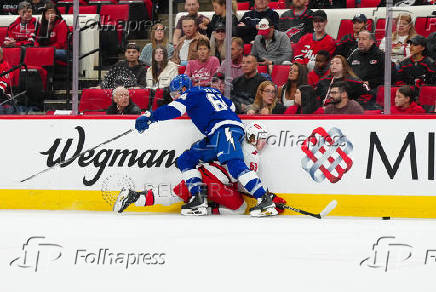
{"points": [[237, 53], [311, 43], [418, 69], [20, 32], [271, 47], [128, 73], [368, 61], [297, 21], [246, 28], [348, 43]]}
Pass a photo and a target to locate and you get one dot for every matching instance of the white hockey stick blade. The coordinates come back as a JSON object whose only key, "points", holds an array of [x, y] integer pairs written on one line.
{"points": [[328, 208]]}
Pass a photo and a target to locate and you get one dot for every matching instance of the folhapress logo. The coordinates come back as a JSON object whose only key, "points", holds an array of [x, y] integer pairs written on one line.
{"points": [[37, 252], [327, 155]]}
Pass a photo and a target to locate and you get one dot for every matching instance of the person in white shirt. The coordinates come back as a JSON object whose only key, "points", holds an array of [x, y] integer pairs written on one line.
{"points": [[162, 71]]}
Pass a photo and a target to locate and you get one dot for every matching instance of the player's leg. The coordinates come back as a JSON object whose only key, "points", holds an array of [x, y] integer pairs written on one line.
{"points": [[229, 149]]}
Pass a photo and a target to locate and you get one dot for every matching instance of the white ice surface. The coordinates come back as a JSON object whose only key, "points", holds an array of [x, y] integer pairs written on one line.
{"points": [[216, 253]]}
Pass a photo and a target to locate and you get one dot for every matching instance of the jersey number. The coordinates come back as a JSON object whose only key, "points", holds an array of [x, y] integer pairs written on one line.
{"points": [[216, 101]]}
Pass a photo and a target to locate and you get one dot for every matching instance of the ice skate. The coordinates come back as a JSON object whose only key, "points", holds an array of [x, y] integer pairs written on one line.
{"points": [[265, 206], [125, 198], [197, 206]]}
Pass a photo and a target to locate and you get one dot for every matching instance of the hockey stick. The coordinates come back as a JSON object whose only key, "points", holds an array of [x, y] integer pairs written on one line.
{"points": [[323, 213], [77, 155]]}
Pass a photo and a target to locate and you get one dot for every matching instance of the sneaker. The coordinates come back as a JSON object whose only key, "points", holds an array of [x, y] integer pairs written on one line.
{"points": [[197, 206], [265, 206], [125, 198]]}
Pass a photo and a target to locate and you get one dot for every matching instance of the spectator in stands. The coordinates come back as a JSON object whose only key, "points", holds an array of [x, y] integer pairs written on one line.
{"points": [[400, 37], [52, 31], [305, 102], [158, 37], [129, 73], [348, 43], [202, 70], [237, 53], [271, 47], [219, 6], [368, 61], [341, 71], [297, 21], [245, 86], [266, 102], [405, 102], [186, 49], [201, 21], [38, 6], [418, 69], [340, 103], [21, 31], [122, 104], [321, 69], [162, 71], [297, 77], [217, 44], [246, 28], [310, 44]]}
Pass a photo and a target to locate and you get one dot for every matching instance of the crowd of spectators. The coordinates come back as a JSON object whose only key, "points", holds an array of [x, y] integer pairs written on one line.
{"points": [[325, 75]]}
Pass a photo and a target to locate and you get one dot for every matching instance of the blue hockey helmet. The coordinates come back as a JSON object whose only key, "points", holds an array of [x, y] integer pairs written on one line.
{"points": [[180, 81]]}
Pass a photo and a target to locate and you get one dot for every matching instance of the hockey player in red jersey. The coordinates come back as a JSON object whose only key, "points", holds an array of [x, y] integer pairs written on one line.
{"points": [[224, 193]]}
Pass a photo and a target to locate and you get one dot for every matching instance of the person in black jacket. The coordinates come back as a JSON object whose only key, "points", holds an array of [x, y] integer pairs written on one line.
{"points": [[219, 18], [418, 69], [368, 61], [297, 21], [246, 28], [122, 104], [348, 43]]}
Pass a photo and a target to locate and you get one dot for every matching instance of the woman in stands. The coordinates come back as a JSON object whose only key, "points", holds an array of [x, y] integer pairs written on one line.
{"points": [[52, 31], [219, 6], [266, 101], [400, 37], [158, 37], [162, 71], [340, 70], [202, 70], [405, 102], [297, 76], [305, 102], [217, 44]]}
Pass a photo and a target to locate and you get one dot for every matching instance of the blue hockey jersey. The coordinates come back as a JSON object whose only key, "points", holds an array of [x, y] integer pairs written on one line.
{"points": [[207, 108]]}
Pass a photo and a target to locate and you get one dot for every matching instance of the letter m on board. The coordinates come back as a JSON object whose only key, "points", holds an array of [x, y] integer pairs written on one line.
{"points": [[392, 170]]}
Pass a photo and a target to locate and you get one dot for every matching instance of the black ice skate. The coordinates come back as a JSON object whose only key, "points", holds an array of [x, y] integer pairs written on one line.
{"points": [[197, 205], [265, 206], [125, 198]]}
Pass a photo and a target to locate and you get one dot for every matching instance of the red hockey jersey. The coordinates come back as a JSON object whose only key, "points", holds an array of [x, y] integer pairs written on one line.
{"points": [[5, 80], [308, 47], [22, 34]]}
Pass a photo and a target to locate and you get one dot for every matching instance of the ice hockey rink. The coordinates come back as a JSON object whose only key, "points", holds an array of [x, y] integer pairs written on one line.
{"points": [[102, 251]]}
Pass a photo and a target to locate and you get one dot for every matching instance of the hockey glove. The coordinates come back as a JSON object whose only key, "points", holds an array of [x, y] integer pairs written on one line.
{"points": [[143, 122]]}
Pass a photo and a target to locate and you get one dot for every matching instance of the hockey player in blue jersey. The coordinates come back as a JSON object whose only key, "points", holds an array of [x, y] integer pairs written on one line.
{"points": [[214, 116]]}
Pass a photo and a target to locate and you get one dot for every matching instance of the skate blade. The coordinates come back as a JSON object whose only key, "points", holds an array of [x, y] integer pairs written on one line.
{"points": [[122, 196], [264, 213], [194, 212]]}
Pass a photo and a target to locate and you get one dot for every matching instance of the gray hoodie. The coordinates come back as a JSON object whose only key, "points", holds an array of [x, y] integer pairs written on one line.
{"points": [[279, 49]]}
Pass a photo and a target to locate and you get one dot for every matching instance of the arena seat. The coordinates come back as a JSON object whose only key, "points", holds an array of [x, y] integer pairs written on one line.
{"points": [[262, 69], [13, 56], [346, 27], [380, 28], [3, 32], [351, 4], [158, 95], [92, 9], [141, 97], [425, 25], [41, 59], [247, 49], [381, 95], [427, 95], [62, 9], [244, 6], [95, 100], [279, 74], [115, 16], [182, 69], [369, 3]]}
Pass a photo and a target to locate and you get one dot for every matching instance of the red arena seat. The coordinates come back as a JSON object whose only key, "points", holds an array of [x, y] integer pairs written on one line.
{"points": [[247, 49], [244, 6], [62, 9], [427, 95], [381, 95], [13, 56], [346, 27], [92, 9], [3, 32], [262, 69], [157, 96], [141, 97], [425, 25], [95, 100], [369, 3], [280, 74], [41, 59]]}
